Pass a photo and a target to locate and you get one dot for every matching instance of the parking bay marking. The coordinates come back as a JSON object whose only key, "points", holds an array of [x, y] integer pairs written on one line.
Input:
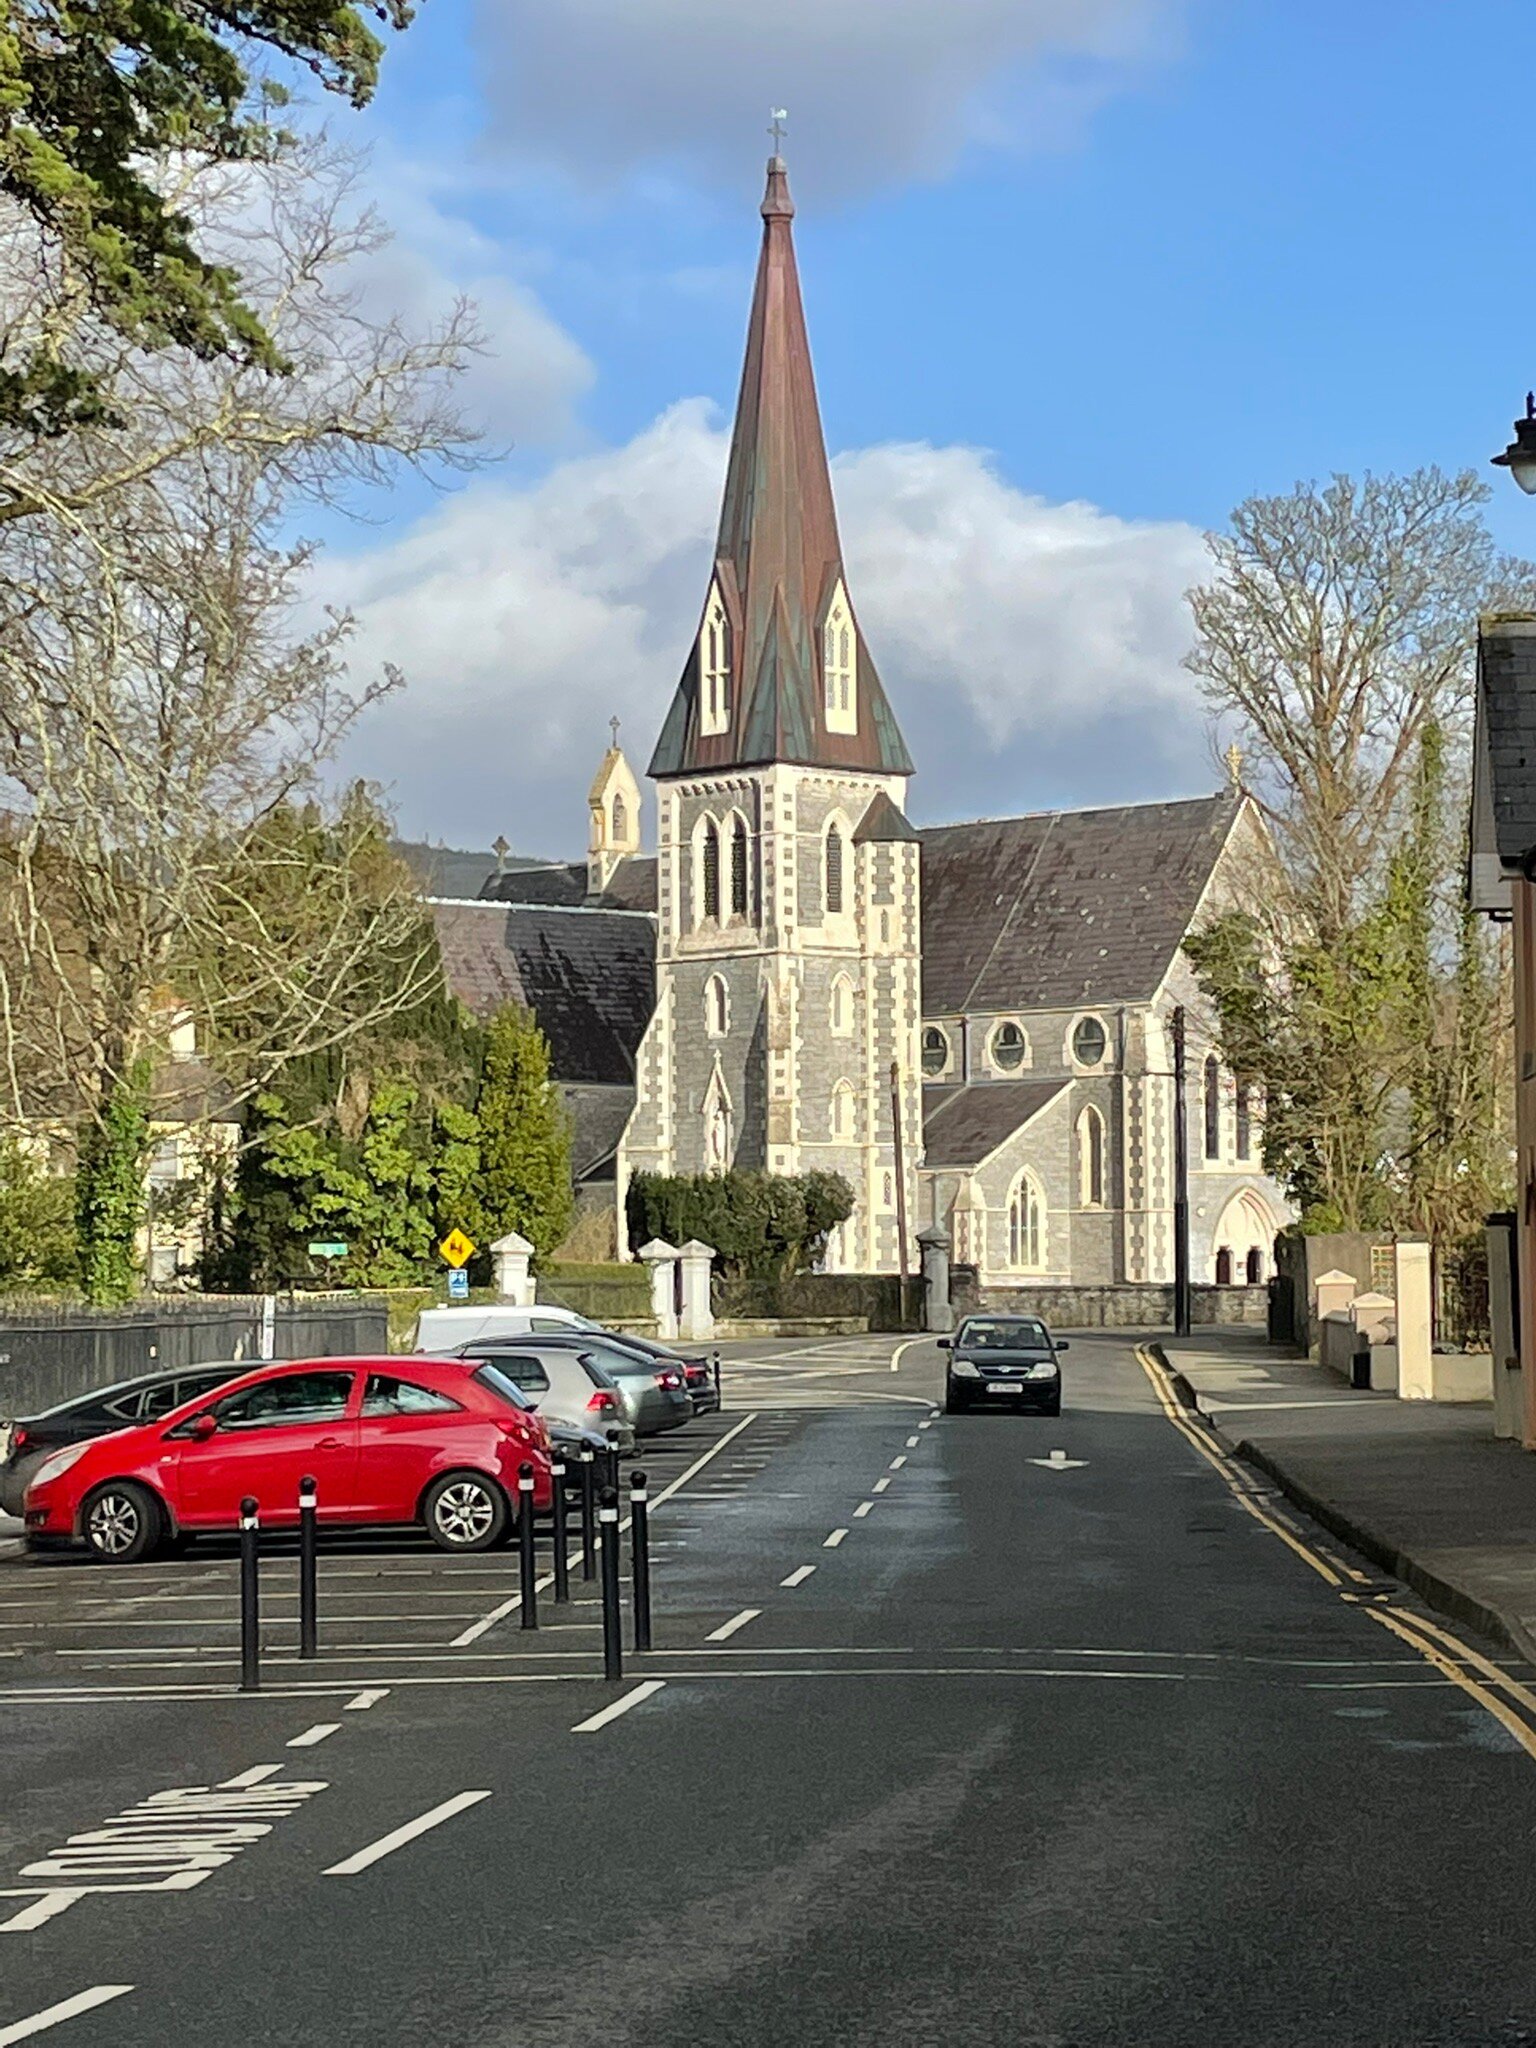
{"points": [[66, 2009], [386, 1845], [365, 1700], [729, 1628], [620, 1706]]}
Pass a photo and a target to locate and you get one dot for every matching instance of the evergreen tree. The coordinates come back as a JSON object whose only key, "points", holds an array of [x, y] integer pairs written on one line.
{"points": [[524, 1179]]}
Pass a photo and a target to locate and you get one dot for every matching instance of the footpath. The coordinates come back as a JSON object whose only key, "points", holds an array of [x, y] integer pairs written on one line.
{"points": [[1424, 1491]]}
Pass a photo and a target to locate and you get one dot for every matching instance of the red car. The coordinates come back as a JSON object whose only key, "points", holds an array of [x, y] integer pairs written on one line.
{"points": [[387, 1440]]}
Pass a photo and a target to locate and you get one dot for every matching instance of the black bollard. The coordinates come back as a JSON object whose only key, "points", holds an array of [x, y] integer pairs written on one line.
{"points": [[611, 1477], [717, 1378], [588, 1514], [250, 1618], [309, 1633], [562, 1559], [527, 1564], [613, 1638], [640, 1558]]}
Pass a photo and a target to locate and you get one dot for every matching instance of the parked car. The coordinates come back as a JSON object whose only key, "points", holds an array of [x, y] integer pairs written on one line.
{"points": [[993, 1359], [444, 1330], [652, 1394], [697, 1370], [388, 1440], [563, 1383], [118, 1406]]}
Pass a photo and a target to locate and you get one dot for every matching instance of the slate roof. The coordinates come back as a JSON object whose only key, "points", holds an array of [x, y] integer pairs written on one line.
{"points": [[1506, 709], [883, 821], [451, 870], [598, 1117], [962, 1125], [588, 975], [778, 558], [632, 885], [1062, 907]]}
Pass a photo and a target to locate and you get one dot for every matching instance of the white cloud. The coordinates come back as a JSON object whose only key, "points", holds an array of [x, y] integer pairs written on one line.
{"points": [[1031, 650], [875, 88]]}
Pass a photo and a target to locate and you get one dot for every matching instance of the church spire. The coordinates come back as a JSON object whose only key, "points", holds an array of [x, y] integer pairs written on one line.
{"points": [[779, 670]]}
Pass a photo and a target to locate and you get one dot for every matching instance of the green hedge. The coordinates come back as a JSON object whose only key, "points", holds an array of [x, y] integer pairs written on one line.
{"points": [[606, 1292]]}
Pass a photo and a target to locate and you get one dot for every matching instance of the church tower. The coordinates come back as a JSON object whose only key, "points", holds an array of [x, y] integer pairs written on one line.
{"points": [[787, 879]]}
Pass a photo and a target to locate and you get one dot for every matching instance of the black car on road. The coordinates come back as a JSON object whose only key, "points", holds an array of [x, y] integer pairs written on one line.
{"points": [[997, 1361], [120, 1406]]}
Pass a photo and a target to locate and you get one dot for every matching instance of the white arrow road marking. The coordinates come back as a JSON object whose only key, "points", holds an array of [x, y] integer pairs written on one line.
{"points": [[66, 2009], [1058, 1461]]}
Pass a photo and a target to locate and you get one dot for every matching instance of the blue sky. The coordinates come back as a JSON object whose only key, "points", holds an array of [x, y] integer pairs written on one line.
{"points": [[1081, 274]]}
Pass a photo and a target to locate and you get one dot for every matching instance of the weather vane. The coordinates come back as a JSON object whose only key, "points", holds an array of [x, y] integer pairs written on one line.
{"points": [[776, 127]]}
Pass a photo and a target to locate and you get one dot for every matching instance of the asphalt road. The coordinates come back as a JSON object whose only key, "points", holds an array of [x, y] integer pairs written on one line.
{"points": [[1112, 1751]]}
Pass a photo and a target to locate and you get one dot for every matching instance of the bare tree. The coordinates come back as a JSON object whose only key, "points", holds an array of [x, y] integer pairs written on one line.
{"points": [[1341, 621], [168, 700]]}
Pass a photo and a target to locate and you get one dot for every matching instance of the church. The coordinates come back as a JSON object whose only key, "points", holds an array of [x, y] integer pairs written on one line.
{"points": [[969, 1022]]}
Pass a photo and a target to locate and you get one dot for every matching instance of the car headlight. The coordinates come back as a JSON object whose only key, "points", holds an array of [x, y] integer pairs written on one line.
{"points": [[963, 1369], [55, 1467], [1045, 1370]]}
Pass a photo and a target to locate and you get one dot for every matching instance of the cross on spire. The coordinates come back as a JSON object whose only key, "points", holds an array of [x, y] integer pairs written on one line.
{"points": [[777, 129]]}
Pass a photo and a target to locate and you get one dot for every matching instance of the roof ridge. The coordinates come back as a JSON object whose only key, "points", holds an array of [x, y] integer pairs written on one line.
{"points": [[1155, 803]]}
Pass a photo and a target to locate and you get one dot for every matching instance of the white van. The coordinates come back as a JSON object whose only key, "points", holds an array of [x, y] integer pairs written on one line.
{"points": [[445, 1329]]}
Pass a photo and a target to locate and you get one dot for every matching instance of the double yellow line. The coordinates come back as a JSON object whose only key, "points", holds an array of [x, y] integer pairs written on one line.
{"points": [[1445, 1653]]}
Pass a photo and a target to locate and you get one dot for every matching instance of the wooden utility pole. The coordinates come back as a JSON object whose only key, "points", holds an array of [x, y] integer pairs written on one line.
{"points": [[1180, 1183], [901, 1176]]}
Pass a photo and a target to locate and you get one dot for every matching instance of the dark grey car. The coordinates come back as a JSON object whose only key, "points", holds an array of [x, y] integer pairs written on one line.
{"points": [[1003, 1361]]}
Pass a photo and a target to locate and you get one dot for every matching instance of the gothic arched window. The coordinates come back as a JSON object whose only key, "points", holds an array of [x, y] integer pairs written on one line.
{"points": [[620, 817], [714, 668], [1026, 1226], [842, 1006], [1090, 1159], [710, 865], [834, 891], [739, 868], [717, 1007], [838, 659], [1213, 1108]]}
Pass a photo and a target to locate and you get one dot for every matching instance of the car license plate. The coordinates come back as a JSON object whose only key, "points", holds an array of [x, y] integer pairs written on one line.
{"points": [[1005, 1386]]}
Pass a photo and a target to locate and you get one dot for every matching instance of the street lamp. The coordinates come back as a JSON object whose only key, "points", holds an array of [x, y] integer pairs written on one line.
{"points": [[1519, 458]]}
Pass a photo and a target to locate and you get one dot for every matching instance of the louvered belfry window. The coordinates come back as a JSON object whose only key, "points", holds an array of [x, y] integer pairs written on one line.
{"points": [[739, 869], [711, 871], [834, 873]]}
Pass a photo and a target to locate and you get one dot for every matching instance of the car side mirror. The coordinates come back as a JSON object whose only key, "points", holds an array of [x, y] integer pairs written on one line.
{"points": [[944, 1344], [204, 1426], [1062, 1344]]}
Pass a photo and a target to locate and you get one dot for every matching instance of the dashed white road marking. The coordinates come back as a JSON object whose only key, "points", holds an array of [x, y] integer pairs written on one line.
{"points": [[313, 1735], [729, 1628], [913, 1442], [862, 1510], [66, 2009], [798, 1576], [366, 1699], [256, 1775], [880, 1485], [386, 1845], [831, 1542], [926, 1423], [614, 1708], [897, 1463]]}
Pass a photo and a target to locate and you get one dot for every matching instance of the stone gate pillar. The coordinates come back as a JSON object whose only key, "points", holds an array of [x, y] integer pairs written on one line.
{"points": [[661, 1261], [514, 1283], [933, 1244], [698, 1316]]}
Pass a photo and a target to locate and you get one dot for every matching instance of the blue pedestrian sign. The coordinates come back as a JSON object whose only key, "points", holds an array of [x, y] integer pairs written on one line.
{"points": [[458, 1284]]}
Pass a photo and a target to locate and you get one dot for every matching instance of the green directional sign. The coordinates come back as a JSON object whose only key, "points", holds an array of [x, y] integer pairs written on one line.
{"points": [[327, 1251]]}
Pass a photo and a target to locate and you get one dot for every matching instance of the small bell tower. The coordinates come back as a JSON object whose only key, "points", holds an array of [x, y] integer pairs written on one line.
{"points": [[613, 804]]}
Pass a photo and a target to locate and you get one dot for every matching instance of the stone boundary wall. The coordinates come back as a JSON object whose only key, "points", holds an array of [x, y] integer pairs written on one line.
{"points": [[1120, 1307]]}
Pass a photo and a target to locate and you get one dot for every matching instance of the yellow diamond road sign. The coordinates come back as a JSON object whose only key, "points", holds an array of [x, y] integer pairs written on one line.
{"points": [[456, 1248]]}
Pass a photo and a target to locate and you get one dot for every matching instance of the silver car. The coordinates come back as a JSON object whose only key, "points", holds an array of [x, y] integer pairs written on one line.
{"points": [[563, 1383]]}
